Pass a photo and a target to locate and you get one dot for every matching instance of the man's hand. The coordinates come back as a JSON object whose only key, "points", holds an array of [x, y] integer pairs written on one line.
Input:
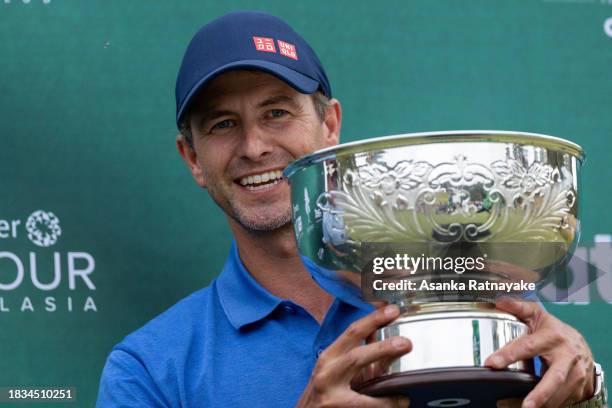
{"points": [[330, 383], [569, 376]]}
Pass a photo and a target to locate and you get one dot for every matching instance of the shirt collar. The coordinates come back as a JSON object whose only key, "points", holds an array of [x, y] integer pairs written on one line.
{"points": [[243, 299]]}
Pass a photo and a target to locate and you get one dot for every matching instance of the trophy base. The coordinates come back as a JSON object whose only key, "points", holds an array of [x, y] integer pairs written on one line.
{"points": [[452, 387], [451, 342]]}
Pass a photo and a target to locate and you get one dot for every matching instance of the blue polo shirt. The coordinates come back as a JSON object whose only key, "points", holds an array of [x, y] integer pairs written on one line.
{"points": [[231, 344]]}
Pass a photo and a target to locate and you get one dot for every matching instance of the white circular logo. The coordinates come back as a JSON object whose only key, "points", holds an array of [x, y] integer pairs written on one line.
{"points": [[448, 402], [608, 27], [43, 228]]}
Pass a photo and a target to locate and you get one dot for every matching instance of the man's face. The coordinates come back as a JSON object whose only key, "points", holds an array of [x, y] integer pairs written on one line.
{"points": [[247, 127]]}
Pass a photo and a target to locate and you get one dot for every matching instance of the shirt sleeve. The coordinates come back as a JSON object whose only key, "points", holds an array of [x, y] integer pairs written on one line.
{"points": [[126, 383]]}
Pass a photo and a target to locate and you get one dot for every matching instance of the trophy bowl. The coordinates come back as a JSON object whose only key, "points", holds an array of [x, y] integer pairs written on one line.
{"points": [[508, 199]]}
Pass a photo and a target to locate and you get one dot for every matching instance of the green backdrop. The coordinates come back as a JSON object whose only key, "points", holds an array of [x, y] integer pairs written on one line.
{"points": [[87, 131]]}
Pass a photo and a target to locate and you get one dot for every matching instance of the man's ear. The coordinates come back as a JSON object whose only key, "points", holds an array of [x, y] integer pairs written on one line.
{"points": [[333, 122], [190, 158]]}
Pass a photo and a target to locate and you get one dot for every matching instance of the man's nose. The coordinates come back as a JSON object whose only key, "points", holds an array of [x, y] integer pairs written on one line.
{"points": [[256, 143]]}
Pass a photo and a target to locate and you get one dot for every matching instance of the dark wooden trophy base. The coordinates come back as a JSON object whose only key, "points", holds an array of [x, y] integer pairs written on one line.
{"points": [[452, 387]]}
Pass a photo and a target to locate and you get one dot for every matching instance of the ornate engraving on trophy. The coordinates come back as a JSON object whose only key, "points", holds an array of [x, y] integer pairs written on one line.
{"points": [[505, 200]]}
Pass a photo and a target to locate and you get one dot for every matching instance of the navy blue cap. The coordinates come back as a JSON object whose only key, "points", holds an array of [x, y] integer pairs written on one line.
{"points": [[248, 40]]}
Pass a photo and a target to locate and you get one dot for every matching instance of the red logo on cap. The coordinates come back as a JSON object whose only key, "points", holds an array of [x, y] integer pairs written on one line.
{"points": [[264, 44], [288, 50]]}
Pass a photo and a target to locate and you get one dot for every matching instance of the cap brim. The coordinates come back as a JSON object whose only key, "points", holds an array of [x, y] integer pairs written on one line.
{"points": [[300, 82]]}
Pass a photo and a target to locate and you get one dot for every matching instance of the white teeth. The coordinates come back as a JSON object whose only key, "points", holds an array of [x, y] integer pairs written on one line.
{"points": [[262, 186], [269, 176]]}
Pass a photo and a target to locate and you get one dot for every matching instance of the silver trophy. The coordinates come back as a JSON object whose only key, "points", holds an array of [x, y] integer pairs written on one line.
{"points": [[509, 197]]}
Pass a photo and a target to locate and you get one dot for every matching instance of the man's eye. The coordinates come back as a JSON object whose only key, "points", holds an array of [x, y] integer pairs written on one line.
{"points": [[277, 113], [223, 124]]}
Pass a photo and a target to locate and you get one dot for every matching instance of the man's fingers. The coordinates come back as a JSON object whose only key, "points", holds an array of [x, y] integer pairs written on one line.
{"points": [[382, 402], [347, 357], [578, 380], [553, 383], [527, 311], [523, 348], [381, 367], [354, 399], [358, 358], [394, 402], [361, 329], [558, 400]]}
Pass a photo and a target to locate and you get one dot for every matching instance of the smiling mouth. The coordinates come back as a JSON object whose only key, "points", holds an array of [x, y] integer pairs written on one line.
{"points": [[262, 180]]}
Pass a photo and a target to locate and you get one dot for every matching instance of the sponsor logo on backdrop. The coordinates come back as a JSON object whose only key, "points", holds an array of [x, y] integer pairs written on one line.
{"points": [[608, 27], [71, 270], [590, 278], [43, 228]]}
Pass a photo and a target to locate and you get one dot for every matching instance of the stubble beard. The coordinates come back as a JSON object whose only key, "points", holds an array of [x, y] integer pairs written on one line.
{"points": [[268, 221], [256, 224]]}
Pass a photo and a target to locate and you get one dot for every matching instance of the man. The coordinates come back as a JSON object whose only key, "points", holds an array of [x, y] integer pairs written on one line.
{"points": [[252, 96]]}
